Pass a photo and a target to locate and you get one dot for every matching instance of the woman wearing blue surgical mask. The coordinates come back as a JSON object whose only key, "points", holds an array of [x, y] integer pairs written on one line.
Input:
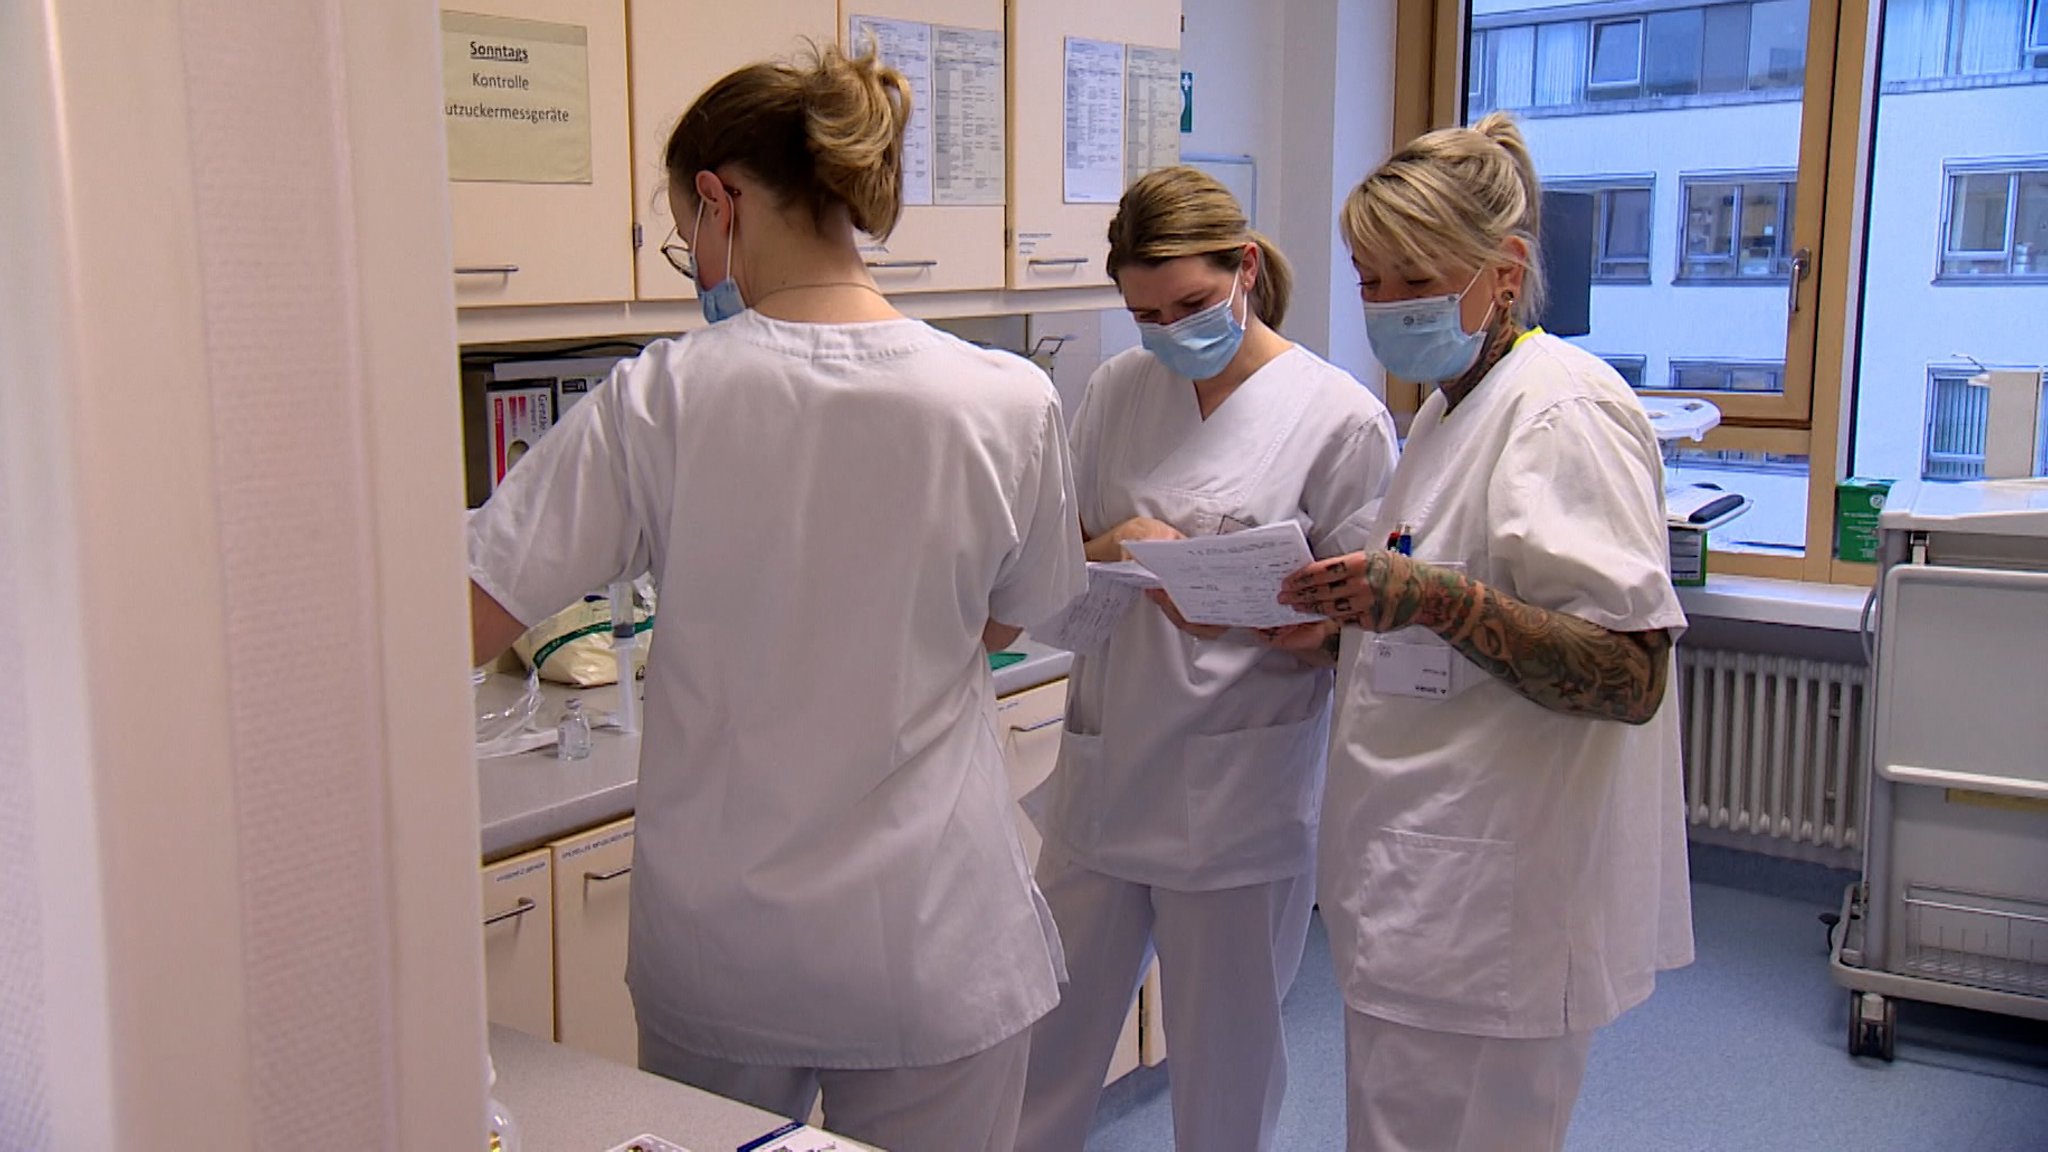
{"points": [[1180, 817], [1503, 865], [842, 510]]}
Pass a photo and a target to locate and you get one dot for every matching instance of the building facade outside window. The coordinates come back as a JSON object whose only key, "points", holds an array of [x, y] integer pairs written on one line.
{"points": [[1727, 376]]}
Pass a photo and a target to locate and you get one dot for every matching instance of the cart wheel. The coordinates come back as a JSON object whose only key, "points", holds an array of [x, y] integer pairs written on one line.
{"points": [[1872, 1037]]}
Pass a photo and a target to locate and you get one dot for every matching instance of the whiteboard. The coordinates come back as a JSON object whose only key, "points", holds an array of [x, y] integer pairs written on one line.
{"points": [[1235, 171]]}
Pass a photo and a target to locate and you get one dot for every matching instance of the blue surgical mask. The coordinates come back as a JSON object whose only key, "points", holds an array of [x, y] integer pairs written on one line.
{"points": [[1424, 340], [1199, 345], [720, 301]]}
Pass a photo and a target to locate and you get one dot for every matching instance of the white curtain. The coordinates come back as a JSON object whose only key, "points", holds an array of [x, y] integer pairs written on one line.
{"points": [[1514, 65], [1991, 36], [1560, 63], [1915, 39]]}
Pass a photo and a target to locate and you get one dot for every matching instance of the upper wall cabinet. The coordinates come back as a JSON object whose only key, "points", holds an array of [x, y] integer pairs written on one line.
{"points": [[537, 151], [680, 48], [955, 155], [1094, 103]]}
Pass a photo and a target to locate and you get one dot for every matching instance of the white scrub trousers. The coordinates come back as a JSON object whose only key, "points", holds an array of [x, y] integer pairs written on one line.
{"points": [[969, 1105], [1415, 1090], [1226, 960]]}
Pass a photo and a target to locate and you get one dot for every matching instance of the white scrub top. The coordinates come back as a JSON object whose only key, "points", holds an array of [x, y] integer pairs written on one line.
{"points": [[1490, 866], [1193, 764], [826, 870]]}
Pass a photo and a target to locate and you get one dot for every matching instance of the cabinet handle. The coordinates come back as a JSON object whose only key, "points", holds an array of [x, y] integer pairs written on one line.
{"points": [[600, 877], [1042, 724], [1056, 261], [887, 265], [524, 906], [486, 269]]}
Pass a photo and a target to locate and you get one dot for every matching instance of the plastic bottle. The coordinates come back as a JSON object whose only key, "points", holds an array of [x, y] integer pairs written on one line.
{"points": [[572, 736]]}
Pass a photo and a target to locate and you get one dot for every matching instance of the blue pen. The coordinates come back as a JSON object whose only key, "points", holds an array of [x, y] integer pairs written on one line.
{"points": [[1405, 542]]}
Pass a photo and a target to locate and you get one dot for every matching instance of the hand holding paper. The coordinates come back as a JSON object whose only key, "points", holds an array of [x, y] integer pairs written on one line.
{"points": [[1232, 580]]}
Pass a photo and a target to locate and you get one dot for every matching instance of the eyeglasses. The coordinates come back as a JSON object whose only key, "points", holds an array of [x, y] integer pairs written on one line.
{"points": [[677, 250]]}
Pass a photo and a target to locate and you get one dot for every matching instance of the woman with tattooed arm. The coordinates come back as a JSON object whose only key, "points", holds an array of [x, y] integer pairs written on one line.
{"points": [[1502, 865]]}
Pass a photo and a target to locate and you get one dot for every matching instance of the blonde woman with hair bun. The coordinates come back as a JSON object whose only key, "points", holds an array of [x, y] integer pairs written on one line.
{"points": [[844, 511], [1503, 862], [1179, 820]]}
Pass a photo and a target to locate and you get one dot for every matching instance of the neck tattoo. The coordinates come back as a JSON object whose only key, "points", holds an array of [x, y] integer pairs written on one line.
{"points": [[1497, 346]]}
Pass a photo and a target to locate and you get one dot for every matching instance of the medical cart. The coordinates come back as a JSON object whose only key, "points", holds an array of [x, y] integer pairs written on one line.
{"points": [[1952, 907]]}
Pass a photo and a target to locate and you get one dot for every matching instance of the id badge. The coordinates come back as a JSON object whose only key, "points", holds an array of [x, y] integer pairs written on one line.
{"points": [[1400, 668]]}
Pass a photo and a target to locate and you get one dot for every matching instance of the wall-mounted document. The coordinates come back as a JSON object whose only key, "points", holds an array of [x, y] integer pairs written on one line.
{"points": [[1231, 580], [1152, 99], [518, 99], [969, 129], [906, 45], [1094, 121]]}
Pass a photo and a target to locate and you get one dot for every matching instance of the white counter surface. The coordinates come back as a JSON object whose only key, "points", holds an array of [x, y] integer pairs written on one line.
{"points": [[568, 1101], [527, 800]]}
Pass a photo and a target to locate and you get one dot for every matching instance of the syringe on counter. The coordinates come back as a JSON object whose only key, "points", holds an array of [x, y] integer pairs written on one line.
{"points": [[625, 642]]}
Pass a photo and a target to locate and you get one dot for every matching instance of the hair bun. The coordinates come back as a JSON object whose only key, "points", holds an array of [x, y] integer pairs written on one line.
{"points": [[856, 110]]}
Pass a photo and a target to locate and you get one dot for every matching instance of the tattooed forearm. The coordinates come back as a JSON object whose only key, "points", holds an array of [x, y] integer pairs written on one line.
{"points": [[1558, 660]]}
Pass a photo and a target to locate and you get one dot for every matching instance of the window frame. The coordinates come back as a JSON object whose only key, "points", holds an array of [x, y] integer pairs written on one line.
{"points": [[1838, 101], [1952, 173], [1728, 368], [1743, 182], [1613, 89], [2035, 42], [1602, 189], [1623, 363]]}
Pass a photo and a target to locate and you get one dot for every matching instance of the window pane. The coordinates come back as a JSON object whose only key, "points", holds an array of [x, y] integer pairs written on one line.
{"points": [[1560, 63], [1912, 415], [1475, 75], [1669, 173], [2030, 226], [1671, 63], [2037, 23], [1628, 224], [1709, 229], [1776, 486], [1990, 37], [1762, 220], [1514, 65], [1617, 52], [1977, 219], [1777, 44], [1725, 49]]}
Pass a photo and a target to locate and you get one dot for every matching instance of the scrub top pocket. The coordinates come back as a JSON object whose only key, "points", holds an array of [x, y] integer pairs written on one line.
{"points": [[1253, 797], [1435, 920]]}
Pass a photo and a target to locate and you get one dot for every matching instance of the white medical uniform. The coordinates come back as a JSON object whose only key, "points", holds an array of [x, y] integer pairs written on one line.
{"points": [[826, 873], [1494, 874], [1182, 812]]}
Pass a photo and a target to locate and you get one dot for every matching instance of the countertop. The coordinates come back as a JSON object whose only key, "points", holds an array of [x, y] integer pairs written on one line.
{"points": [[532, 798], [569, 1101]]}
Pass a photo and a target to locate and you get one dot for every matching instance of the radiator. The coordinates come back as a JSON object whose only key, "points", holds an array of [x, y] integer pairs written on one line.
{"points": [[1773, 745]]}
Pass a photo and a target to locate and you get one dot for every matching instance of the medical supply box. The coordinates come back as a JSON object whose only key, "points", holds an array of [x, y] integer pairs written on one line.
{"points": [[1858, 503]]}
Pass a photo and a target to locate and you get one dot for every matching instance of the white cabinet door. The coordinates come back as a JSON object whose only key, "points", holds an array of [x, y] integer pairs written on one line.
{"points": [[1055, 243], [528, 229], [1029, 723], [593, 1011], [679, 49], [519, 945], [958, 129]]}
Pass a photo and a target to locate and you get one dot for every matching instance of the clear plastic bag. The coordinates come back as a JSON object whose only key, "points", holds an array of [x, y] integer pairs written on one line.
{"points": [[507, 729]]}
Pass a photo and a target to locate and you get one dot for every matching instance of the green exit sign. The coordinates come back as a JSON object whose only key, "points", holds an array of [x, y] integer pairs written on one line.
{"points": [[1187, 102]]}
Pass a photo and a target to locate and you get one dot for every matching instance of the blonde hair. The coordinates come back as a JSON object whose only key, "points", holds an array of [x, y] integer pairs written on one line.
{"points": [[823, 130], [1454, 195], [1180, 211]]}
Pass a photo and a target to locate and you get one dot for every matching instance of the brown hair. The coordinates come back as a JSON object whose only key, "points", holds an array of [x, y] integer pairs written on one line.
{"points": [[1455, 194], [825, 129], [1181, 211]]}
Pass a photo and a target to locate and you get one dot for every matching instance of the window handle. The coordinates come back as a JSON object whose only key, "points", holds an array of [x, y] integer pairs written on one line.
{"points": [[1802, 262]]}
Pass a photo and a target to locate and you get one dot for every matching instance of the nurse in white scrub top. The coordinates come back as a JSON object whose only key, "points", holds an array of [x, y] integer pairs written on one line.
{"points": [[1503, 866], [842, 509], [1181, 815]]}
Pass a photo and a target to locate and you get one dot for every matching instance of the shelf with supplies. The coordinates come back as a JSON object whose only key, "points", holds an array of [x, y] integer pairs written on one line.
{"points": [[654, 318]]}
